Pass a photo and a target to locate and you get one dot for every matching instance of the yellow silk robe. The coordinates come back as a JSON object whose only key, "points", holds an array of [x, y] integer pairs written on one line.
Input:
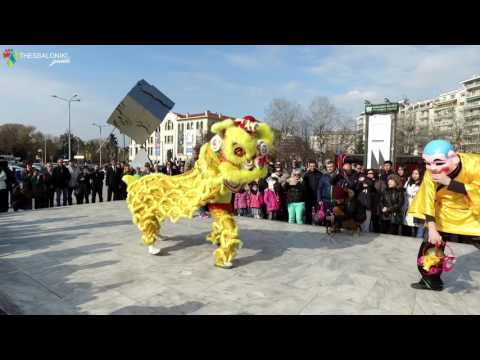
{"points": [[454, 213]]}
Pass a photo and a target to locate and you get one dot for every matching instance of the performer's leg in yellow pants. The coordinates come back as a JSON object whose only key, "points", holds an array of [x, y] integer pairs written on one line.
{"points": [[225, 235]]}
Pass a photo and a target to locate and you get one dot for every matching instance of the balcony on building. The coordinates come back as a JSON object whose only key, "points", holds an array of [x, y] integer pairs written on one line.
{"points": [[472, 83], [471, 115], [473, 103], [445, 102]]}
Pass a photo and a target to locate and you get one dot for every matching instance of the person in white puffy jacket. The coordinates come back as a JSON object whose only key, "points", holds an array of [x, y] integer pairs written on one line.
{"points": [[411, 187]]}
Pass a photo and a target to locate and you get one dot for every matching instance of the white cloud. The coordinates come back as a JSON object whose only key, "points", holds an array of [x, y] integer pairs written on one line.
{"points": [[350, 101], [258, 57], [243, 60], [292, 86], [375, 72]]}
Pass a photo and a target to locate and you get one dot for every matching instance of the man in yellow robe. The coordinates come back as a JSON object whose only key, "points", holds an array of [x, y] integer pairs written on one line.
{"points": [[448, 201]]}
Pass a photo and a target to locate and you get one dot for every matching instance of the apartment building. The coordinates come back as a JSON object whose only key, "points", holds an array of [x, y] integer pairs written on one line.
{"points": [[453, 115], [471, 114]]}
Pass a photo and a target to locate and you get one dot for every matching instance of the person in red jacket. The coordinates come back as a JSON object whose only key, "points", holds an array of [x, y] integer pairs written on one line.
{"points": [[256, 201]]}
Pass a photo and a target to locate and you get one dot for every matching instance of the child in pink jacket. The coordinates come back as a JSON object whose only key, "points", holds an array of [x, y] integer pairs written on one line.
{"points": [[256, 201], [241, 203], [271, 198]]}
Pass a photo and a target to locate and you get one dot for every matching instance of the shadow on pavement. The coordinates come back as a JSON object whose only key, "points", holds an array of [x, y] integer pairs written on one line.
{"points": [[39, 282], [460, 279], [270, 244], [183, 309]]}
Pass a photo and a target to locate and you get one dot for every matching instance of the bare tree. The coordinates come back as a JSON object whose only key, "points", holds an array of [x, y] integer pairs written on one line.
{"points": [[458, 131], [323, 117], [405, 133], [285, 116]]}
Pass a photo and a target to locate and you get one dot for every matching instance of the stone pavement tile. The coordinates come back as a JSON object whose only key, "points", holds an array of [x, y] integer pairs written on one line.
{"points": [[189, 284], [346, 289], [471, 303], [218, 308], [330, 305], [141, 289], [286, 303], [7, 266], [314, 278], [169, 301], [30, 263], [373, 311], [291, 274], [257, 298], [391, 296], [29, 296], [433, 303], [66, 288], [97, 303]]}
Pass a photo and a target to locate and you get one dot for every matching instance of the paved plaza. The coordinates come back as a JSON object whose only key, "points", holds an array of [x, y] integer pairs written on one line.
{"points": [[88, 259]]}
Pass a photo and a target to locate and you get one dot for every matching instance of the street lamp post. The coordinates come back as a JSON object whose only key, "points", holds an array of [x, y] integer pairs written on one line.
{"points": [[69, 101], [100, 128]]}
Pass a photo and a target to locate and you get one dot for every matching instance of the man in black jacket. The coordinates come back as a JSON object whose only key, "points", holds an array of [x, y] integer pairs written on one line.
{"points": [[61, 178], [49, 184], [114, 176], [97, 177], [386, 171], [346, 178], [311, 180]]}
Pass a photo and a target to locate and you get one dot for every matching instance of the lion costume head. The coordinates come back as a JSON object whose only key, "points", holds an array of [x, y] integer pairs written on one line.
{"points": [[239, 150]]}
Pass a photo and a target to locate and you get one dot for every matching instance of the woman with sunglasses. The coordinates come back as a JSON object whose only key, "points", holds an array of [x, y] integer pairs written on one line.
{"points": [[295, 190]]}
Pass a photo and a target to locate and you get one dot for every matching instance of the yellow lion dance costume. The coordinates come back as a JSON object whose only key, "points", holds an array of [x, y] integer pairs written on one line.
{"points": [[235, 156]]}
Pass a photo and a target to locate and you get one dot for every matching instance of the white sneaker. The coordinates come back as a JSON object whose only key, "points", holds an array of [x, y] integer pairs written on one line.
{"points": [[153, 250]]}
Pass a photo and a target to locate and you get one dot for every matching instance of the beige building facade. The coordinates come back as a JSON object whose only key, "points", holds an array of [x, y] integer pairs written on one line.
{"points": [[177, 136]]}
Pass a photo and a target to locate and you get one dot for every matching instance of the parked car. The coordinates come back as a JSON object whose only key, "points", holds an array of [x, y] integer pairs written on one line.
{"points": [[17, 170], [38, 166]]}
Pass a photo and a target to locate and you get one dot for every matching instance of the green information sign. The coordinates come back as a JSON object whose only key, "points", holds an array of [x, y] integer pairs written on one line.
{"points": [[381, 108]]}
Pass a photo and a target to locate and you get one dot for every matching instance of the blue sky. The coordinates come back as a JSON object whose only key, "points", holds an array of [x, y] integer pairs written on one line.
{"points": [[232, 80]]}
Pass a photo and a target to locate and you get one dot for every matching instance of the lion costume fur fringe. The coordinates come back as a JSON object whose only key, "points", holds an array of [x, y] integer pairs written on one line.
{"points": [[230, 160]]}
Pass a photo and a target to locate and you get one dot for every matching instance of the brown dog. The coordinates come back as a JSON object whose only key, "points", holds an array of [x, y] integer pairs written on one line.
{"points": [[347, 224]]}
